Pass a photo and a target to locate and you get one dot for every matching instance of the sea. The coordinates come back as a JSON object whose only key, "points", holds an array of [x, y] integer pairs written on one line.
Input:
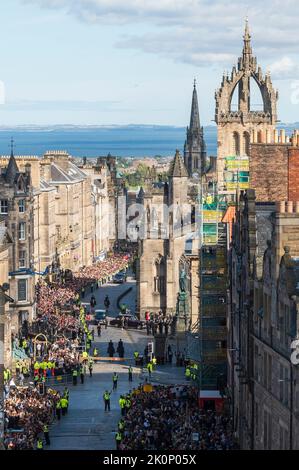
{"points": [[92, 141]]}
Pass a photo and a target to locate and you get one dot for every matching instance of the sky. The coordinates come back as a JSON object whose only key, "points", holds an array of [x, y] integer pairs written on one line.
{"points": [[106, 62]]}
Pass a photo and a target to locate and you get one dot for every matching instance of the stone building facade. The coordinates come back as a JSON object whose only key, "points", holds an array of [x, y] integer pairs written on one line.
{"points": [[237, 127], [263, 323], [16, 207], [163, 248], [6, 244]]}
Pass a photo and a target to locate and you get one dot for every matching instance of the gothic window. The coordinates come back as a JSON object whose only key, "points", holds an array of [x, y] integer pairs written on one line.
{"points": [[246, 143], [159, 276], [236, 144]]}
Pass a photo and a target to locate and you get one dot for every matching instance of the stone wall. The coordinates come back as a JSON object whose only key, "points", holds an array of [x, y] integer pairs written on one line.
{"points": [[268, 167]]}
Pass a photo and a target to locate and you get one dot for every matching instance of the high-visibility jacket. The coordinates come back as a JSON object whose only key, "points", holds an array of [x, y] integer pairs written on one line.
{"points": [[136, 354], [106, 396], [128, 403], [46, 428], [40, 444], [18, 365], [118, 437], [85, 354], [5, 375], [66, 394], [25, 370], [58, 405], [122, 402], [150, 367], [75, 373], [95, 352], [154, 361], [121, 425], [90, 363], [115, 378], [36, 365], [63, 402], [187, 372]]}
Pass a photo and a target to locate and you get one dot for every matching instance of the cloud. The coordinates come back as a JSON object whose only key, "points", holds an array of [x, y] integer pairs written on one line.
{"points": [[198, 32], [284, 68]]}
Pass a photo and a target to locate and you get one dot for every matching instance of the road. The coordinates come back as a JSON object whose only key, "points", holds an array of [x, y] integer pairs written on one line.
{"points": [[87, 426]]}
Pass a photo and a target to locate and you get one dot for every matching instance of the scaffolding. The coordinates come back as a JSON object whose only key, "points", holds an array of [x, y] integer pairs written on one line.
{"points": [[236, 172], [207, 339]]}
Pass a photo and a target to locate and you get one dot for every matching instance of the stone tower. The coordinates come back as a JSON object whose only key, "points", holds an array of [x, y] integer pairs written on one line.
{"points": [[195, 148], [236, 128]]}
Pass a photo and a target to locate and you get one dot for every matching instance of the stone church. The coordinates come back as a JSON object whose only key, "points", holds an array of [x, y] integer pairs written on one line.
{"points": [[170, 245], [238, 127]]}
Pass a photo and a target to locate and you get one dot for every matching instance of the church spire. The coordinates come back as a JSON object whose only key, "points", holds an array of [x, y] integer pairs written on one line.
{"points": [[194, 119], [194, 150], [247, 49]]}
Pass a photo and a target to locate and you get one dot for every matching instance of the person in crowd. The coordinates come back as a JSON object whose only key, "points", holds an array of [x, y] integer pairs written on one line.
{"points": [[120, 349], [110, 349]]}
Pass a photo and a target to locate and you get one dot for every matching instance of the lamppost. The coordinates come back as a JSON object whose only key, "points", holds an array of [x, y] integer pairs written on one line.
{"points": [[4, 298]]}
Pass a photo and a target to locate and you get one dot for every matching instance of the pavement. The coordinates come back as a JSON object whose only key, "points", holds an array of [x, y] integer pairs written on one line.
{"points": [[87, 426]]}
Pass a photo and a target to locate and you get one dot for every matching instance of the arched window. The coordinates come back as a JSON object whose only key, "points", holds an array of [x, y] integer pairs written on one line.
{"points": [[236, 144], [246, 143], [159, 276]]}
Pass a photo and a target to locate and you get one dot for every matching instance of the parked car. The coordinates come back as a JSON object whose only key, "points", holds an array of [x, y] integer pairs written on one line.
{"points": [[130, 321], [99, 317], [119, 278]]}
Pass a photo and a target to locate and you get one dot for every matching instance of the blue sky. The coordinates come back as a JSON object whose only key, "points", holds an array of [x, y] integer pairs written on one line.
{"points": [[121, 62]]}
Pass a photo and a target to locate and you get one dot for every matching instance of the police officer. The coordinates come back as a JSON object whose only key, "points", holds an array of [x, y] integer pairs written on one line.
{"points": [[150, 369], [75, 376], [106, 398], [130, 374], [188, 373], [114, 381], [90, 367], [122, 404], [40, 444], [46, 434], [82, 375], [128, 403], [58, 410], [95, 352], [118, 439], [64, 405], [121, 425], [136, 356]]}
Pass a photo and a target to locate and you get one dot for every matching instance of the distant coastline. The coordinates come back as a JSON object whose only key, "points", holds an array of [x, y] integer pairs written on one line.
{"points": [[91, 141]]}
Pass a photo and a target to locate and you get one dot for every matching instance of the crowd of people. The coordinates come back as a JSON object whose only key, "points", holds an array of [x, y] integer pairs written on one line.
{"points": [[61, 316], [26, 414], [168, 418], [159, 323]]}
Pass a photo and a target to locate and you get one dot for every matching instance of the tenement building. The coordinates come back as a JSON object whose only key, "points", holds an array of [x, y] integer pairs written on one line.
{"points": [[263, 323], [16, 208]]}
